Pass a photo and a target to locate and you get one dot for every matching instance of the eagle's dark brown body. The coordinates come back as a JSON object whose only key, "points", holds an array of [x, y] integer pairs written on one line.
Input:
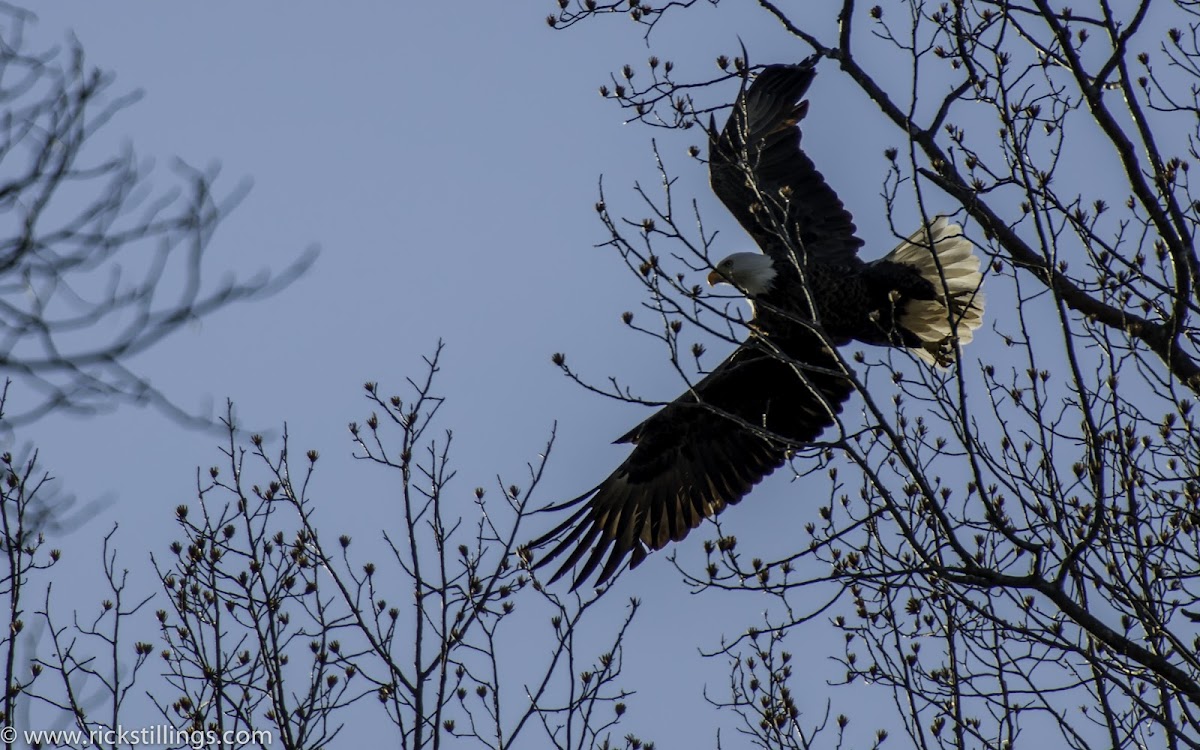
{"points": [[854, 300]]}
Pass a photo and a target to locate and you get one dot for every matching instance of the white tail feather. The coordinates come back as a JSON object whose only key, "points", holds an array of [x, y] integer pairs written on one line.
{"points": [[959, 277]]}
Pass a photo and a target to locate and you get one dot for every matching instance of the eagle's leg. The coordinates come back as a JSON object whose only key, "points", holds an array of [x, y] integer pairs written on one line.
{"points": [[942, 351]]}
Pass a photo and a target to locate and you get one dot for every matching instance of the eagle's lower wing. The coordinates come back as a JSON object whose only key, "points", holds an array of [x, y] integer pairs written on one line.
{"points": [[700, 453], [758, 171]]}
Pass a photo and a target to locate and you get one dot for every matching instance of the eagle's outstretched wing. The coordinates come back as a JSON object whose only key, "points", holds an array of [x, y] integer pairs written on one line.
{"points": [[700, 453], [756, 162]]}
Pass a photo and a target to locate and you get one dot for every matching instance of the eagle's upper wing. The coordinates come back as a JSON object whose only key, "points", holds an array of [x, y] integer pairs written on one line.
{"points": [[756, 161], [701, 452]]}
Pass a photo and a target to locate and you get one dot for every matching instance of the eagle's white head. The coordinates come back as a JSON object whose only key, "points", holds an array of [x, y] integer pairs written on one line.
{"points": [[752, 273]]}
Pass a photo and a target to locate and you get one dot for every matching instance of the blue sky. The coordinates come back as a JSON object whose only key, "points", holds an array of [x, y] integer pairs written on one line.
{"points": [[446, 163]]}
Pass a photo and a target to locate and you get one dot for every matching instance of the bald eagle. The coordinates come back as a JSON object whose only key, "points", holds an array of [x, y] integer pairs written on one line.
{"points": [[783, 386]]}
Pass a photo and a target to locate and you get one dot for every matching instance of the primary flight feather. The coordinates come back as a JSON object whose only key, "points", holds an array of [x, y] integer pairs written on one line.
{"points": [[783, 386]]}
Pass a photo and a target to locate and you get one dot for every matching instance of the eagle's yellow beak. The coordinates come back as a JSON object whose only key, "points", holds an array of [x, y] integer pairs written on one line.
{"points": [[716, 277]]}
